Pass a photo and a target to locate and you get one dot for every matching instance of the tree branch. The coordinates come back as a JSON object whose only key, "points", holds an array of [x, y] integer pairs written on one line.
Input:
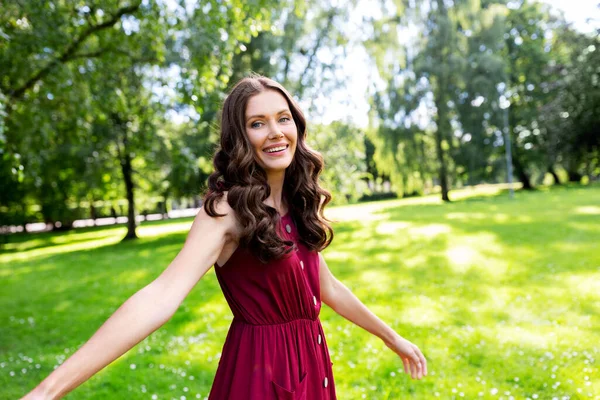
{"points": [[69, 53], [98, 53]]}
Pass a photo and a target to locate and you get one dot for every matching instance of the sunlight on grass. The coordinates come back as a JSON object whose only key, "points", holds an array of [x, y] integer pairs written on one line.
{"points": [[583, 284], [541, 338], [424, 311], [485, 216], [339, 256], [587, 210], [25, 270], [391, 228], [415, 261], [89, 241], [376, 280], [129, 276], [482, 191], [501, 295], [461, 257], [163, 229], [473, 251], [430, 230]]}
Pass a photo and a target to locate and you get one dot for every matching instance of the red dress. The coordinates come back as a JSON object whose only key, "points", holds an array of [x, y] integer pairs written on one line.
{"points": [[275, 348]]}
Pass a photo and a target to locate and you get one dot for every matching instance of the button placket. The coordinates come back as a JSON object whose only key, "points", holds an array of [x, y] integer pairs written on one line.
{"points": [[324, 370], [288, 229]]}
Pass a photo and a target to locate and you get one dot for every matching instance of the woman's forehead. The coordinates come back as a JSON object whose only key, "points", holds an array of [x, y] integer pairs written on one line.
{"points": [[266, 103]]}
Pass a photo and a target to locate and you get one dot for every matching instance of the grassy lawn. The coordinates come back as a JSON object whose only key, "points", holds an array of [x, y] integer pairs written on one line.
{"points": [[502, 295]]}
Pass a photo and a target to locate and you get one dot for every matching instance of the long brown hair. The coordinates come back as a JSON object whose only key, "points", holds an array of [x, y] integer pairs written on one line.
{"points": [[238, 172]]}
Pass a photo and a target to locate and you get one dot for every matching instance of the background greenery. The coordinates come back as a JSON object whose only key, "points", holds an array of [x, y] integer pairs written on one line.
{"points": [[109, 108]]}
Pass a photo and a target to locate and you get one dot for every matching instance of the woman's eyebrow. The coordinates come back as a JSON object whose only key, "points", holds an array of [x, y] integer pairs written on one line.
{"points": [[262, 116]]}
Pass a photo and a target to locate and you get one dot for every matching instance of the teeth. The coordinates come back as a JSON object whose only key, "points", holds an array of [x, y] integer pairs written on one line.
{"points": [[275, 149]]}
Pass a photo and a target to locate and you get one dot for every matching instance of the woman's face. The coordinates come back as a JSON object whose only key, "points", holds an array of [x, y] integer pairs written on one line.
{"points": [[269, 122]]}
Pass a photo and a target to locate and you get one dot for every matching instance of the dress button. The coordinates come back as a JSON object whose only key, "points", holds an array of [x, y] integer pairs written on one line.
{"points": [[288, 228], [319, 338], [315, 300], [302, 264], [325, 382]]}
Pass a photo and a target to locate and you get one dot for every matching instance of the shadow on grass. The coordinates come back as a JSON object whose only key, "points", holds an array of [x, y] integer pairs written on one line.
{"points": [[36, 240]]}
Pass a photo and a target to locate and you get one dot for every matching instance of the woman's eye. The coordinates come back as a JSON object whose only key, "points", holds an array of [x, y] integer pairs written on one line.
{"points": [[256, 125]]}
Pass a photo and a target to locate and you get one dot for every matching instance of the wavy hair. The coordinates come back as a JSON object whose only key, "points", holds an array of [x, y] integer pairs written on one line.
{"points": [[238, 172]]}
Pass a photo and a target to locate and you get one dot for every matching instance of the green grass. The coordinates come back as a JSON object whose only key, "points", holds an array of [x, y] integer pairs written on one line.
{"points": [[502, 295]]}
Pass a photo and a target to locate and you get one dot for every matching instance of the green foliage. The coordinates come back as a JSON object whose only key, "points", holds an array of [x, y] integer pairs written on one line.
{"points": [[571, 120], [86, 98], [342, 147], [469, 55], [120, 99]]}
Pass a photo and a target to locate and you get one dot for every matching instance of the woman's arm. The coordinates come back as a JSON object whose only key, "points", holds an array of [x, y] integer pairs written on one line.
{"points": [[337, 296], [145, 311]]}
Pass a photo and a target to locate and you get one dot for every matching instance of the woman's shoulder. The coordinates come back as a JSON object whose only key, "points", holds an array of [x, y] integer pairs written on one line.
{"points": [[230, 220], [225, 220]]}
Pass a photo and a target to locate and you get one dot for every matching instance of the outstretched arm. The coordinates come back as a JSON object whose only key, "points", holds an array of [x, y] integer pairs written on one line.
{"points": [[337, 296], [142, 313]]}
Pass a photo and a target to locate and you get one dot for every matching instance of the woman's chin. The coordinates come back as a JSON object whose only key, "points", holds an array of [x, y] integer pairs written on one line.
{"points": [[274, 166]]}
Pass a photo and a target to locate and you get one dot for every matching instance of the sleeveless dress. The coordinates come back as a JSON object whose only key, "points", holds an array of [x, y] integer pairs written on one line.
{"points": [[275, 348]]}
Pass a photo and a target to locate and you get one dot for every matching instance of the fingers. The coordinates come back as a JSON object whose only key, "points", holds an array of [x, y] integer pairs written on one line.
{"points": [[406, 365], [418, 364], [423, 363], [413, 368], [414, 361], [410, 365]]}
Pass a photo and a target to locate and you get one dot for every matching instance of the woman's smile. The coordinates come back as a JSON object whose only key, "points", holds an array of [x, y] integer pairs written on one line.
{"points": [[279, 151]]}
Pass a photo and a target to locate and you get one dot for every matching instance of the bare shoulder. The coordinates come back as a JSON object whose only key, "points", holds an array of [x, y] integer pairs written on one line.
{"points": [[226, 225]]}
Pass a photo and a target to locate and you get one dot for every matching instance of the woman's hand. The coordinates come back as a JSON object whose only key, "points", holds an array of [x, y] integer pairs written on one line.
{"points": [[411, 356]]}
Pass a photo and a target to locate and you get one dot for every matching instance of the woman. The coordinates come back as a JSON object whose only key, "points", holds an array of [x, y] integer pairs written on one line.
{"points": [[262, 227]]}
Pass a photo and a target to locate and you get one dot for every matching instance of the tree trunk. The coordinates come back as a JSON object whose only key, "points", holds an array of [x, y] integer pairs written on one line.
{"points": [[425, 173], [520, 171], [442, 124], [93, 214], [571, 165], [517, 161], [401, 177], [574, 176], [164, 209], [128, 178], [23, 217], [440, 93]]}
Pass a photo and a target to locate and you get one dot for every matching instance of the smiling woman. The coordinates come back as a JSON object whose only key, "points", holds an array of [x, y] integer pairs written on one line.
{"points": [[266, 168], [276, 345], [262, 227]]}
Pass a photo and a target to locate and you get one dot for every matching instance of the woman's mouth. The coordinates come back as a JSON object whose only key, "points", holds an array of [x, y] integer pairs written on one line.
{"points": [[278, 152]]}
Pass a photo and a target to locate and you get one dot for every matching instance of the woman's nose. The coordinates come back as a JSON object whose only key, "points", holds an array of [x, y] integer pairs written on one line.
{"points": [[274, 131]]}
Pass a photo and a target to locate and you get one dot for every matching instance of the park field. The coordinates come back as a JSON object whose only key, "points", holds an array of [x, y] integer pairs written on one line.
{"points": [[502, 296]]}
